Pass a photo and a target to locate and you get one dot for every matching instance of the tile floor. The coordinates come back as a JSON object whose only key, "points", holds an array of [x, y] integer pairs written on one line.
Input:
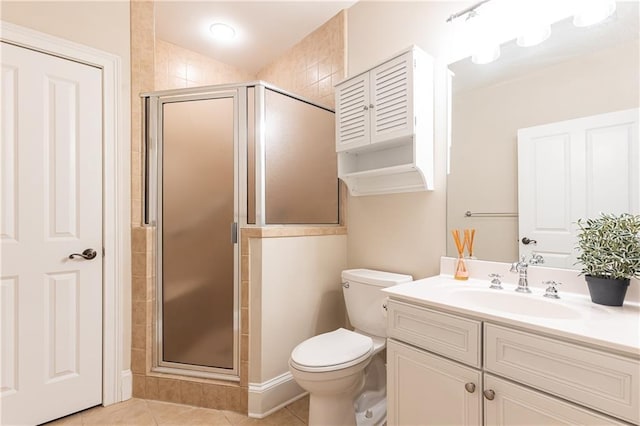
{"points": [[142, 412]]}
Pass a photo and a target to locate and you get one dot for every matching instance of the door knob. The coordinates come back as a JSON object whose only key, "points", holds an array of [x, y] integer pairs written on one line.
{"points": [[527, 241], [489, 394], [87, 254], [470, 387]]}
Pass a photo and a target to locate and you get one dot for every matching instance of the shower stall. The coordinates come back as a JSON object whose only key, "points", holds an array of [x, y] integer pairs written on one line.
{"points": [[219, 159]]}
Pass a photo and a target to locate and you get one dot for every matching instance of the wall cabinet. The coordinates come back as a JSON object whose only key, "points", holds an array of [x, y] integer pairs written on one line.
{"points": [[521, 377], [385, 126], [377, 106]]}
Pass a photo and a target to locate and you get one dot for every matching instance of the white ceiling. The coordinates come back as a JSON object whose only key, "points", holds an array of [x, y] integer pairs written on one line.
{"points": [[264, 29]]}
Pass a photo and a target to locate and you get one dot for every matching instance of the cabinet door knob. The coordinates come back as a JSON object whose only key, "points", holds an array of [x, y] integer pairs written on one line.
{"points": [[489, 394], [366, 108], [470, 387]]}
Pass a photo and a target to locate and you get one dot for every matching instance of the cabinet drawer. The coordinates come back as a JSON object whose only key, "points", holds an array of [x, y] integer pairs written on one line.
{"points": [[604, 382], [516, 404], [448, 335]]}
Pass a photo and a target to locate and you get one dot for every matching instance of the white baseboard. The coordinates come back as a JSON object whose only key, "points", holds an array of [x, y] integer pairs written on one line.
{"points": [[126, 385], [270, 396]]}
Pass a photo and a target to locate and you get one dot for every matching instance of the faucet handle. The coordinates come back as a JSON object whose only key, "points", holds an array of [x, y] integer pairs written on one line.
{"points": [[495, 281], [551, 291]]}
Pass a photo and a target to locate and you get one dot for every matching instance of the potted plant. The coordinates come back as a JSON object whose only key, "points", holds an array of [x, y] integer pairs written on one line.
{"points": [[609, 255]]}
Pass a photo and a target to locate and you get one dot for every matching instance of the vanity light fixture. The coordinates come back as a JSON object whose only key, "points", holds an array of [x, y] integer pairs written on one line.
{"points": [[534, 35], [593, 11], [471, 11], [221, 31]]}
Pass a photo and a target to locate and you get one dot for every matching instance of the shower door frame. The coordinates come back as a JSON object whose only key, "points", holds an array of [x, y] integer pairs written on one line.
{"points": [[154, 139]]}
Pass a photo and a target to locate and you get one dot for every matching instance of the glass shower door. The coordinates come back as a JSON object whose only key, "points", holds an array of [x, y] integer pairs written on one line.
{"points": [[198, 216]]}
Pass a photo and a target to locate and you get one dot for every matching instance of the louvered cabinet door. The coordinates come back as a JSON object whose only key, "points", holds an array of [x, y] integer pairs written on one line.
{"points": [[391, 108], [352, 113]]}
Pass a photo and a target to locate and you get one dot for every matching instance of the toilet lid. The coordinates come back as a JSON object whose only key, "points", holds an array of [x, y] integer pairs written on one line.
{"points": [[340, 348]]}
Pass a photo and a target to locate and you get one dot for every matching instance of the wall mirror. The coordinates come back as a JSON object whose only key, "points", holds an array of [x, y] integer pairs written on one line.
{"points": [[576, 73]]}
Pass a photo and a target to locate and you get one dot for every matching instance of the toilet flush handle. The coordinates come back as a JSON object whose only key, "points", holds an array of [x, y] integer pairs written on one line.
{"points": [[345, 284]]}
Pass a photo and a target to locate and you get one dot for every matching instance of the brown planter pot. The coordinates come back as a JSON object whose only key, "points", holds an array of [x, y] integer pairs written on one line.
{"points": [[606, 291]]}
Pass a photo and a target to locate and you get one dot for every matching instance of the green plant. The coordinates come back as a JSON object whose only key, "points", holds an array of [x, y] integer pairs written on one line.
{"points": [[610, 246]]}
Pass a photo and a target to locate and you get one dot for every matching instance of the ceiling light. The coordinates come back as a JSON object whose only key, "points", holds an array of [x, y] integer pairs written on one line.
{"points": [[485, 54], [534, 35], [221, 31], [593, 11]]}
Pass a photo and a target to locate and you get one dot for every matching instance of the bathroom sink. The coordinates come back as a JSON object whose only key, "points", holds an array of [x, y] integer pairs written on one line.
{"points": [[514, 303]]}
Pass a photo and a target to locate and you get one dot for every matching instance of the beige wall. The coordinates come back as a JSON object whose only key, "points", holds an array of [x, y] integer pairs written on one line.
{"points": [[295, 294], [485, 124], [102, 25], [378, 29], [177, 67], [402, 232], [313, 66]]}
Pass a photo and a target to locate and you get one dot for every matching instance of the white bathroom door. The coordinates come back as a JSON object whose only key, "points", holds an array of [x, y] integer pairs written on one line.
{"points": [[575, 169], [51, 195]]}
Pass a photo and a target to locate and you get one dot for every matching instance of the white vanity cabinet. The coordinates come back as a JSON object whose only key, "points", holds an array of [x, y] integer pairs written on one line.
{"points": [[385, 126], [444, 368]]}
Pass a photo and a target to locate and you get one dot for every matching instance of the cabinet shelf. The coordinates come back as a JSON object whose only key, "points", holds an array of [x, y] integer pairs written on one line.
{"points": [[381, 171]]}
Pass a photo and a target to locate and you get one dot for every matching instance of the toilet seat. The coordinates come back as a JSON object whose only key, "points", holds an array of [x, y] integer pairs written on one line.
{"points": [[332, 351]]}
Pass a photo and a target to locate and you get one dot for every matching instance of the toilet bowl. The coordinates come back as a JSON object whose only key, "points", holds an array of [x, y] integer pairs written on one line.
{"points": [[333, 367]]}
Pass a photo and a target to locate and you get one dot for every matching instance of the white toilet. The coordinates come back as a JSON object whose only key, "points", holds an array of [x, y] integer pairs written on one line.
{"points": [[345, 389]]}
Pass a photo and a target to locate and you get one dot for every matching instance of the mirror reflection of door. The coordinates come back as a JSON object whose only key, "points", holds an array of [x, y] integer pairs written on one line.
{"points": [[575, 169]]}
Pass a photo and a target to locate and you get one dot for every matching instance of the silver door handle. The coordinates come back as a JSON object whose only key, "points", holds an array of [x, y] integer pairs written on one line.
{"points": [[87, 254], [234, 233]]}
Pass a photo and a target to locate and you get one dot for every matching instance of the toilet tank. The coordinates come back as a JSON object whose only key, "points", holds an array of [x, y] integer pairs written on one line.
{"points": [[364, 300]]}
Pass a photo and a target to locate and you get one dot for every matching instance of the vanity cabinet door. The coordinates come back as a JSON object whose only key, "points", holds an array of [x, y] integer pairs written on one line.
{"points": [[425, 389], [512, 404]]}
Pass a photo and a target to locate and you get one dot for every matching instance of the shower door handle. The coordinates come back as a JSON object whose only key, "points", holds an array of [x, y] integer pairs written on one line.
{"points": [[234, 233]]}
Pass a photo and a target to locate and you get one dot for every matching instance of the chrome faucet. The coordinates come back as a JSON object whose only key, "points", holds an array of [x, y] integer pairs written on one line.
{"points": [[521, 268]]}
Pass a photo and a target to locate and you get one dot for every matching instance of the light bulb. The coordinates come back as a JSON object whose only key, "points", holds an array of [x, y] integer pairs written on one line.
{"points": [[485, 54], [534, 35], [221, 31]]}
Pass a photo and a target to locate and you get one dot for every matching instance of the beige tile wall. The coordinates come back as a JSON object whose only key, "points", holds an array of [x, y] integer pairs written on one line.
{"points": [[142, 77], [313, 66], [158, 65], [176, 67]]}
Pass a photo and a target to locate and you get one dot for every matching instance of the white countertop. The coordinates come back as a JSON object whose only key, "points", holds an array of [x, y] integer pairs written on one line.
{"points": [[612, 328]]}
